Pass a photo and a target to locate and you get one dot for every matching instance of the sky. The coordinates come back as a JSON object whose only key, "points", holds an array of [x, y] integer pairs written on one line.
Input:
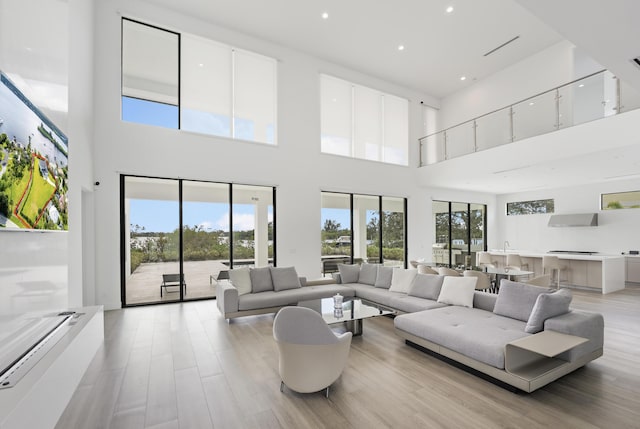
{"points": [[163, 216]]}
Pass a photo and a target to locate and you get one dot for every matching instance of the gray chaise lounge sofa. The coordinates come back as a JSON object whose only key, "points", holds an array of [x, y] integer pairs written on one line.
{"points": [[485, 335]]}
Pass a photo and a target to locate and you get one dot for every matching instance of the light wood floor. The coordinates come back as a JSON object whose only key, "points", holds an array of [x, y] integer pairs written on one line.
{"points": [[182, 366]]}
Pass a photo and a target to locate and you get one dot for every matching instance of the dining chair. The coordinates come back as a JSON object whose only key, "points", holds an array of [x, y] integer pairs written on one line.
{"points": [[514, 261], [483, 282], [425, 269], [443, 271], [552, 263]]}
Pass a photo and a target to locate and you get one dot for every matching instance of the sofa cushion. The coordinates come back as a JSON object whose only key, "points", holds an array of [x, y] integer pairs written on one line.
{"points": [[402, 279], [349, 273], [374, 294], [516, 300], [241, 280], [426, 286], [411, 304], [260, 279], [368, 274], [384, 276], [268, 299], [548, 305], [475, 333], [457, 291], [284, 278]]}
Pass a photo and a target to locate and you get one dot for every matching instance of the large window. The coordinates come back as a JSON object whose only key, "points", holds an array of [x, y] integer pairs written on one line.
{"points": [[191, 230], [196, 84], [364, 123], [460, 232], [362, 229]]}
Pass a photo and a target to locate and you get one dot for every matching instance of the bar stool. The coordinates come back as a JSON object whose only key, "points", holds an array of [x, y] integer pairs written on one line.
{"points": [[553, 263], [514, 261]]}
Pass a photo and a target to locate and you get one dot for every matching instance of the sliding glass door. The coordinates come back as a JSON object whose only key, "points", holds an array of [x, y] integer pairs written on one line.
{"points": [[460, 232], [178, 240], [362, 229]]}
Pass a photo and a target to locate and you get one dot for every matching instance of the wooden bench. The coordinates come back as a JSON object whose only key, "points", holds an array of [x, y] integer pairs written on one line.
{"points": [[172, 280]]}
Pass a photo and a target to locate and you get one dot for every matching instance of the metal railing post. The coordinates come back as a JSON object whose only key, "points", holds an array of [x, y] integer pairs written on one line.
{"points": [[619, 105], [444, 133], [557, 109], [475, 136], [421, 162], [512, 131]]}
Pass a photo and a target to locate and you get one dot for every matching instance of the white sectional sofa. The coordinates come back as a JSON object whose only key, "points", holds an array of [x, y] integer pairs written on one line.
{"points": [[525, 336]]}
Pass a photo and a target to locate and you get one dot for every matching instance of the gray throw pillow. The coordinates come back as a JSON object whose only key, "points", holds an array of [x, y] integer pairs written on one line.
{"points": [[548, 305], [426, 286], [261, 279], [384, 276], [349, 273], [368, 274], [241, 280], [284, 278], [516, 300]]}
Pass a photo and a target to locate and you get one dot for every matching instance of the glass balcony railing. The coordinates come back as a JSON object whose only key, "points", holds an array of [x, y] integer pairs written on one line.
{"points": [[593, 97]]}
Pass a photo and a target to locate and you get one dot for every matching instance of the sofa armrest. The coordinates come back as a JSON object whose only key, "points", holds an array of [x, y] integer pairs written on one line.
{"points": [[582, 324], [303, 281], [336, 277], [226, 298]]}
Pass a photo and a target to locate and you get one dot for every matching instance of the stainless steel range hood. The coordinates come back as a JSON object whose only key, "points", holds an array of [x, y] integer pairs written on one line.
{"points": [[578, 219]]}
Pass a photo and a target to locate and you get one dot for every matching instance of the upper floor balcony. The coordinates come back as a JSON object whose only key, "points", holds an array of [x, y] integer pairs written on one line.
{"points": [[582, 132]]}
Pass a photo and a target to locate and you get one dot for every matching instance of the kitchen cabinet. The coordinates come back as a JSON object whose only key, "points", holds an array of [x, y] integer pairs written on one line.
{"points": [[633, 269]]}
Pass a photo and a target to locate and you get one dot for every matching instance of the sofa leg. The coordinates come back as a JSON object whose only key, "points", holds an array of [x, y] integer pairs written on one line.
{"points": [[282, 386], [327, 393]]}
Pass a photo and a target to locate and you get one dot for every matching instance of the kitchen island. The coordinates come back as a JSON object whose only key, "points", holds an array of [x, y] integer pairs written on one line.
{"points": [[600, 272]]}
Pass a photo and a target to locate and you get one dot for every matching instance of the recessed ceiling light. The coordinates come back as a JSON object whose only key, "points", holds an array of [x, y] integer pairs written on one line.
{"points": [[532, 103], [463, 77], [200, 65], [449, 9], [401, 47], [325, 15], [581, 85]]}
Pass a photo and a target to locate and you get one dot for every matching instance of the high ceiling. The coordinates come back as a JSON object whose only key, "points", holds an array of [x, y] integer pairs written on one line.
{"points": [[364, 35]]}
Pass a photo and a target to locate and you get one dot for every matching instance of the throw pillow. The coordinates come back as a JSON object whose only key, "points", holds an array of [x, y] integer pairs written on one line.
{"points": [[401, 280], [458, 291], [368, 274], [548, 305], [516, 300], [384, 276], [284, 278], [349, 273], [426, 286], [260, 279], [241, 280]]}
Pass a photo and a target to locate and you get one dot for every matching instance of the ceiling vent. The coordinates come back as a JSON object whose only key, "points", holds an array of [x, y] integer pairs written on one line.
{"points": [[501, 46]]}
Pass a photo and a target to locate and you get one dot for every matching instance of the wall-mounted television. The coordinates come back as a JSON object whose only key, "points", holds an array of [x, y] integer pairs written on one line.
{"points": [[33, 165]]}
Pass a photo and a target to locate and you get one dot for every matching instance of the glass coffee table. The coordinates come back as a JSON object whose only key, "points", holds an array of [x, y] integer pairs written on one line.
{"points": [[350, 315]]}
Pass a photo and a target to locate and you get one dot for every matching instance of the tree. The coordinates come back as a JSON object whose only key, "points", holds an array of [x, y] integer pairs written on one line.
{"points": [[331, 225], [4, 205]]}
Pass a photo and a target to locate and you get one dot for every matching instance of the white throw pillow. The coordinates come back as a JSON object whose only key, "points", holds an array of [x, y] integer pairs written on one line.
{"points": [[458, 291], [241, 280], [402, 279]]}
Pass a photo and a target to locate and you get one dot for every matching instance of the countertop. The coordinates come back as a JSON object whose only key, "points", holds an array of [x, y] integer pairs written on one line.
{"points": [[571, 256]]}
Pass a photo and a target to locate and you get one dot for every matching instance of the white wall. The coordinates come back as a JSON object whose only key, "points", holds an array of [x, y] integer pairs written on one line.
{"points": [[295, 166], [617, 230], [81, 245], [545, 70]]}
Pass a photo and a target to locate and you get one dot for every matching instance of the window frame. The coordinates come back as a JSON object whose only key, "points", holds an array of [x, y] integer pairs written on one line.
{"points": [[231, 85], [509, 212], [622, 207]]}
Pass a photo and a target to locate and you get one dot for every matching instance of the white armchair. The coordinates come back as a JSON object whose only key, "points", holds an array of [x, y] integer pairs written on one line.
{"points": [[312, 356]]}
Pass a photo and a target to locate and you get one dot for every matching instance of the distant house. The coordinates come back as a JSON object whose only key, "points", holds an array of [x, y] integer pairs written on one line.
{"points": [[44, 171], [54, 215]]}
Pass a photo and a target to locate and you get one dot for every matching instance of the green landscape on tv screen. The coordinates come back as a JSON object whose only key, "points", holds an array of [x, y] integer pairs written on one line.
{"points": [[33, 165]]}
